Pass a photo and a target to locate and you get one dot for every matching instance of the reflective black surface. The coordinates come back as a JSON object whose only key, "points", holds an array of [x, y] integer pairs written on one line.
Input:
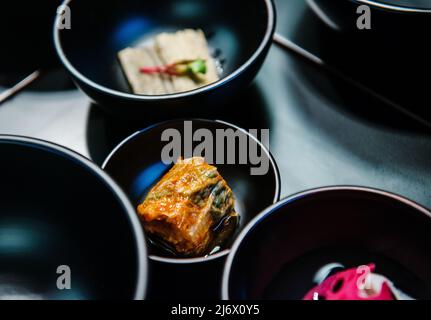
{"points": [[57, 210], [281, 253]]}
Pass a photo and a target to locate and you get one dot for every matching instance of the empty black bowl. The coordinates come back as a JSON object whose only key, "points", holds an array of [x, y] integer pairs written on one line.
{"points": [[280, 251], [61, 213], [136, 164], [239, 32]]}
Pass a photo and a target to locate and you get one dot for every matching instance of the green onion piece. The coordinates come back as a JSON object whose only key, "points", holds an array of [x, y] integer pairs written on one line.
{"points": [[197, 67]]}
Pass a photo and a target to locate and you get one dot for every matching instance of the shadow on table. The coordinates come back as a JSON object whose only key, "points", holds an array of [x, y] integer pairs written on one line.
{"points": [[104, 131]]}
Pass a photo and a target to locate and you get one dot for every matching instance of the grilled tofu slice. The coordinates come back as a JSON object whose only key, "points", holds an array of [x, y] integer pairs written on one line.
{"points": [[132, 59], [165, 49], [191, 209]]}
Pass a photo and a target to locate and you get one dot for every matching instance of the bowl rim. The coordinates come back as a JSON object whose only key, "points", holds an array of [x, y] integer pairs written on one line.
{"points": [[70, 155], [270, 30], [393, 7], [285, 201], [273, 165]]}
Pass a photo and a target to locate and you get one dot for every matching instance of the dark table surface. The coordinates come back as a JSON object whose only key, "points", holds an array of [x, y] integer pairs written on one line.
{"points": [[323, 132]]}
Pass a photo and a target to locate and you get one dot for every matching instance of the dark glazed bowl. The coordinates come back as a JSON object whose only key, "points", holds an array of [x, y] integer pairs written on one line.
{"points": [[239, 32], [136, 165], [279, 252], [58, 208]]}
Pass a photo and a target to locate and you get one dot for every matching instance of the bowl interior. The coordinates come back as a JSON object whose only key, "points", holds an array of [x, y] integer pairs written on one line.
{"points": [[136, 165], [280, 256], [55, 211], [100, 29]]}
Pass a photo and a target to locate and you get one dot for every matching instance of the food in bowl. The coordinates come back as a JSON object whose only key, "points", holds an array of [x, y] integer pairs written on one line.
{"points": [[173, 63], [191, 210], [356, 284]]}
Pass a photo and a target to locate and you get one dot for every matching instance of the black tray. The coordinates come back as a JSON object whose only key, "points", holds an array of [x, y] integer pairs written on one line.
{"points": [[323, 132]]}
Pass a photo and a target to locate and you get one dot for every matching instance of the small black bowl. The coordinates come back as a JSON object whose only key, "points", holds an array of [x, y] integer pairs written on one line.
{"points": [[136, 165], [279, 252], [239, 32], [59, 209]]}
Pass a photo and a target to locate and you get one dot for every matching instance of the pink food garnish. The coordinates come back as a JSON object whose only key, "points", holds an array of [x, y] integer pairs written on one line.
{"points": [[350, 285]]}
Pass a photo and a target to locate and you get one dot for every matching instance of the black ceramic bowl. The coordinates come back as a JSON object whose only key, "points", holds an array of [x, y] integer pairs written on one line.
{"points": [[59, 209], [239, 32], [136, 165], [279, 252]]}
